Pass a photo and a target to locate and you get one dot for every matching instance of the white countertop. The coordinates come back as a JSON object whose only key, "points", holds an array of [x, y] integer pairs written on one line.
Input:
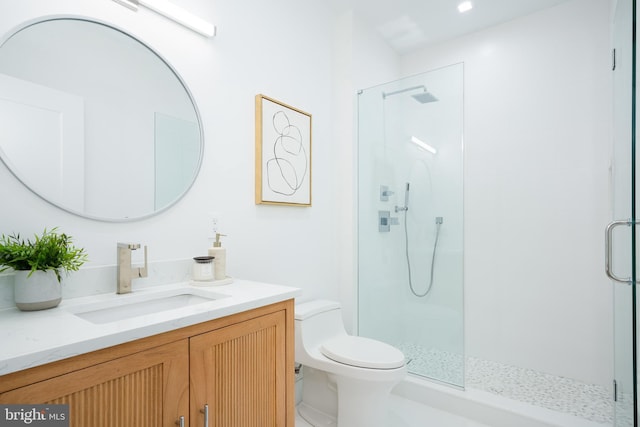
{"points": [[32, 338]]}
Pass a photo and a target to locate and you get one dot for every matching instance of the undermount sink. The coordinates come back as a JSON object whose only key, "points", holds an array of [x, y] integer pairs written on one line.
{"points": [[130, 306]]}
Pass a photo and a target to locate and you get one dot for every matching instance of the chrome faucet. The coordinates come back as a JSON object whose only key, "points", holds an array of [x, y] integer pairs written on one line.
{"points": [[125, 272]]}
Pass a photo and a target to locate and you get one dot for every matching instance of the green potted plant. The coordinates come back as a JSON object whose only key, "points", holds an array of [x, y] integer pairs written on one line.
{"points": [[39, 265]]}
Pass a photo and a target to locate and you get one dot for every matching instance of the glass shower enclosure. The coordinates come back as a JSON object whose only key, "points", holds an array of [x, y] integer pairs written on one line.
{"points": [[622, 236], [410, 220]]}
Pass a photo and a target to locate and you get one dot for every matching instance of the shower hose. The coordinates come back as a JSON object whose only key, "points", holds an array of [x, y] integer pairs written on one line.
{"points": [[433, 256]]}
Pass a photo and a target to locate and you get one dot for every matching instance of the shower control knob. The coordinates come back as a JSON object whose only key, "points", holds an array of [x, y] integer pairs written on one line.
{"points": [[385, 193]]}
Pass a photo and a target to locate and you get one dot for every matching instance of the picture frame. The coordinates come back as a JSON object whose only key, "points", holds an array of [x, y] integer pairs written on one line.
{"points": [[283, 154]]}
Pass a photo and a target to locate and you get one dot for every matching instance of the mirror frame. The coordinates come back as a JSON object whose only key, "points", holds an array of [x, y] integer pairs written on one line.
{"points": [[29, 23]]}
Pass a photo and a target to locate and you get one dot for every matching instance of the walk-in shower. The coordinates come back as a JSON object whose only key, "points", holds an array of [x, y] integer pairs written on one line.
{"points": [[410, 255], [410, 291]]}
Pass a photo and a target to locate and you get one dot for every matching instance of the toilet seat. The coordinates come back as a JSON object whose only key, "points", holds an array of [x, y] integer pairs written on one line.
{"points": [[362, 352]]}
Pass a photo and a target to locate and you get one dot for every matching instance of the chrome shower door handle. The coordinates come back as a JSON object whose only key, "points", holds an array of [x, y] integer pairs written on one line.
{"points": [[608, 238]]}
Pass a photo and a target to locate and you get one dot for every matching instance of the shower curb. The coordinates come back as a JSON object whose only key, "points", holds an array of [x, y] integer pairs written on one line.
{"points": [[485, 407]]}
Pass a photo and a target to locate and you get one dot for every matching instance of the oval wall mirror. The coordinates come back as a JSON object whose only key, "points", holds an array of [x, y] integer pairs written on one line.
{"points": [[95, 122]]}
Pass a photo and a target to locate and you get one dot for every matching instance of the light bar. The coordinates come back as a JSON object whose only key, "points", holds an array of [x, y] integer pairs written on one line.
{"points": [[175, 13], [465, 6], [423, 145]]}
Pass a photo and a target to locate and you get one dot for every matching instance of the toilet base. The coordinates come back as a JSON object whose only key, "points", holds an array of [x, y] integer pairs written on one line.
{"points": [[330, 400], [363, 403], [315, 417]]}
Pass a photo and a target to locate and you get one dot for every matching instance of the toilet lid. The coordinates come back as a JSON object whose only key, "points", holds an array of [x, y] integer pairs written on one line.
{"points": [[362, 352]]}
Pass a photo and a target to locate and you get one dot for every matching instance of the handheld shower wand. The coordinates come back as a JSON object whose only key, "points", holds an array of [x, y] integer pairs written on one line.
{"points": [[439, 221], [406, 200], [406, 197]]}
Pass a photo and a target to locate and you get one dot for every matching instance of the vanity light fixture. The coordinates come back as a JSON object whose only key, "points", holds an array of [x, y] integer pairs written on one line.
{"points": [[423, 145], [465, 6], [173, 12]]}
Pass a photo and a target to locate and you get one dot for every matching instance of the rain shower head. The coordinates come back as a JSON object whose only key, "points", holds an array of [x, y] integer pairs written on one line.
{"points": [[422, 97]]}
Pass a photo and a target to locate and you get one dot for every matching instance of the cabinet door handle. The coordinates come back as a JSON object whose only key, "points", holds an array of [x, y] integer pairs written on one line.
{"points": [[205, 411], [180, 421]]}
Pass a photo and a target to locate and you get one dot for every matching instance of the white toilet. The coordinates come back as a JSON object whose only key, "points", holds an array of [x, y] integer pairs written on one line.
{"points": [[347, 379]]}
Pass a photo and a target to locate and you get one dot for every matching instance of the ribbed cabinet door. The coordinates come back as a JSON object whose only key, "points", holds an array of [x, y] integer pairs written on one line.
{"points": [[239, 373], [145, 389]]}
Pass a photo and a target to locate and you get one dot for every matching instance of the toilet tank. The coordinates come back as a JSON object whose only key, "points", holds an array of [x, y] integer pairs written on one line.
{"points": [[318, 320]]}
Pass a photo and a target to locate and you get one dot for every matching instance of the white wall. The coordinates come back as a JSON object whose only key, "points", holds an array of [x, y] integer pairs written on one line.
{"points": [[537, 135], [281, 48], [361, 60]]}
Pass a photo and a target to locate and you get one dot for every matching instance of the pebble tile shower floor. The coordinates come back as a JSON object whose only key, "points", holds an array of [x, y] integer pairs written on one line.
{"points": [[591, 402]]}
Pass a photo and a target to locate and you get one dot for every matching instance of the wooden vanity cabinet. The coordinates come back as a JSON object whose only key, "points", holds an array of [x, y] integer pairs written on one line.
{"points": [[237, 371], [238, 374], [149, 388]]}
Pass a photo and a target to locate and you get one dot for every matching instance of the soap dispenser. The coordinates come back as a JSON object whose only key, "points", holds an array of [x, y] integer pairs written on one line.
{"points": [[220, 258]]}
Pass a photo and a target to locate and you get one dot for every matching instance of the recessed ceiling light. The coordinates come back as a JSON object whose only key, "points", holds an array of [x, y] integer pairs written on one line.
{"points": [[465, 6]]}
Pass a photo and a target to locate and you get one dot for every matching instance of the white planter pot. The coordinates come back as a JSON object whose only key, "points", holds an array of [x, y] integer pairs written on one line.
{"points": [[38, 292]]}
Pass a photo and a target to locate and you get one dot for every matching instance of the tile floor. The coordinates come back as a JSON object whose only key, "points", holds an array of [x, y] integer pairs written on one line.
{"points": [[588, 401]]}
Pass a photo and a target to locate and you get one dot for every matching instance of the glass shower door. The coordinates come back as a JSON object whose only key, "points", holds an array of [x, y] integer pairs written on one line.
{"points": [[410, 220], [621, 245]]}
